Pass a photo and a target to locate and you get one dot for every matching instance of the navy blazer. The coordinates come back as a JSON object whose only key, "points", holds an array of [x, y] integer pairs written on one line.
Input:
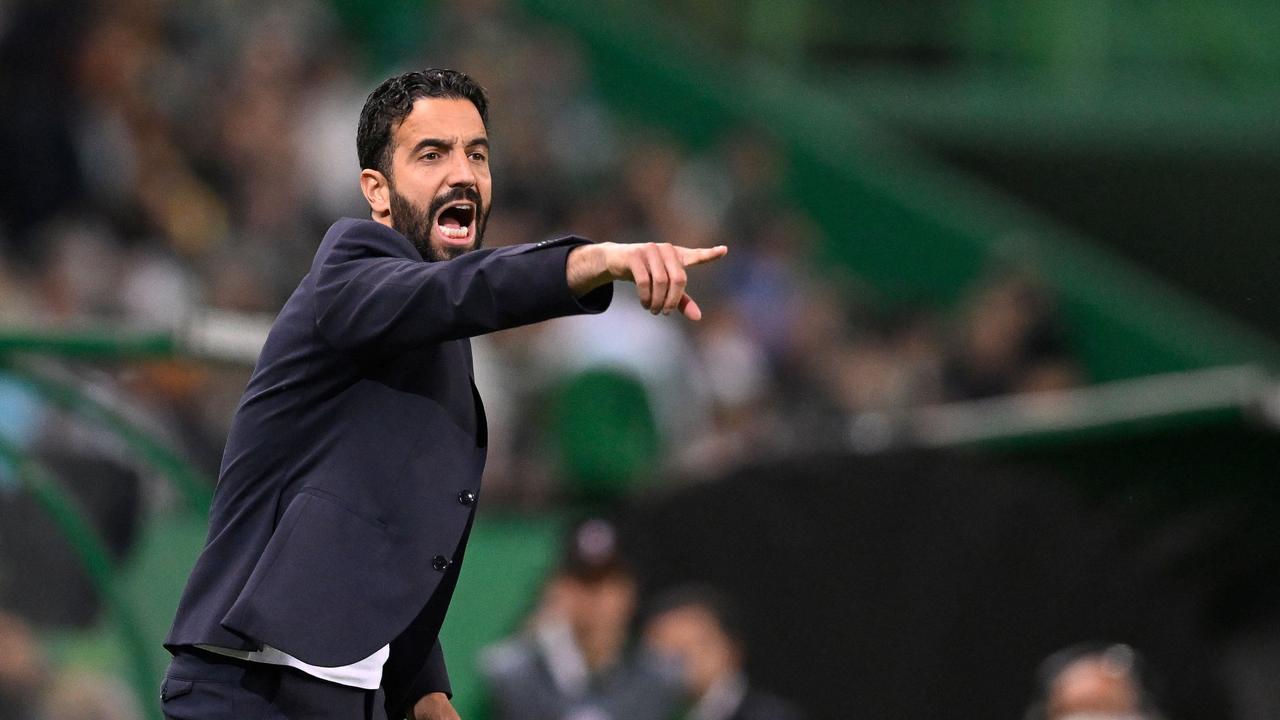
{"points": [[350, 476]]}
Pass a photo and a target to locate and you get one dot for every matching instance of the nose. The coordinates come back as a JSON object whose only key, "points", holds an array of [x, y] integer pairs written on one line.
{"points": [[461, 174]]}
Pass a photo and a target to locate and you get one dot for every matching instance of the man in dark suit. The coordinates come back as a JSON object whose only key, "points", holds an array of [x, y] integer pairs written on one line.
{"points": [[351, 473]]}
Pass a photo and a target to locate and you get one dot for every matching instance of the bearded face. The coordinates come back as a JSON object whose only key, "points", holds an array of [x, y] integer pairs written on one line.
{"points": [[436, 188], [451, 225]]}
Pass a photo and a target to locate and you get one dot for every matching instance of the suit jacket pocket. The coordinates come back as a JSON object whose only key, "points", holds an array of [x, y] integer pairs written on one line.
{"points": [[187, 700], [325, 589]]}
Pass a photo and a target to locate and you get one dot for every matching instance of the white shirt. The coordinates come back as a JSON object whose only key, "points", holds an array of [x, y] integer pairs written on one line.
{"points": [[365, 674], [721, 699]]}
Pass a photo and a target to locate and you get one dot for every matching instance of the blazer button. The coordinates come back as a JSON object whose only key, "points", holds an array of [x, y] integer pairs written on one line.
{"points": [[467, 497], [440, 563]]}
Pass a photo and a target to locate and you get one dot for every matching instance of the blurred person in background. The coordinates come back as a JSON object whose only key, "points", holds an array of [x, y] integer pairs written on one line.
{"points": [[698, 628], [23, 669], [82, 695], [744, 422], [575, 661], [1012, 341], [1093, 682]]}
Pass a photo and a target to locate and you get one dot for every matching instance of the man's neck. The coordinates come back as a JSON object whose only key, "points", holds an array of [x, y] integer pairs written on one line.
{"points": [[600, 652]]}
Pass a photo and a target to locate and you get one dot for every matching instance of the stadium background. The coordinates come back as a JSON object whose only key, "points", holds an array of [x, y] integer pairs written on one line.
{"points": [[988, 373]]}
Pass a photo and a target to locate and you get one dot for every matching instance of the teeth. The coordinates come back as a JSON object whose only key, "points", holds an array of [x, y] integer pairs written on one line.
{"points": [[461, 232]]}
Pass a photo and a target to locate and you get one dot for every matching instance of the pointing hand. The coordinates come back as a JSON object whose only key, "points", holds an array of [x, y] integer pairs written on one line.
{"points": [[657, 269]]}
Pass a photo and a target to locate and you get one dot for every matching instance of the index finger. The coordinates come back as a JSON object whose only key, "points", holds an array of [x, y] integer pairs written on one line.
{"points": [[697, 256]]}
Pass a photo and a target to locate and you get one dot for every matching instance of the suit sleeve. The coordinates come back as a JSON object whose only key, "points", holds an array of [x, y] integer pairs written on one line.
{"points": [[405, 685], [433, 677], [371, 296]]}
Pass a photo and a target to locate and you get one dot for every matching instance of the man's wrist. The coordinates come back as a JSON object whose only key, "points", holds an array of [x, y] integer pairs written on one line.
{"points": [[587, 268], [427, 705]]}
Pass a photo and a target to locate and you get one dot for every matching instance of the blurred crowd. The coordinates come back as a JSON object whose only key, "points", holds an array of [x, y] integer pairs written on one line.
{"points": [[172, 157], [590, 650], [33, 688]]}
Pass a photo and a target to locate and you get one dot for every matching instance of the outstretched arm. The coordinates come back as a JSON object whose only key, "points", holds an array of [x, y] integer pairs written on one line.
{"points": [[657, 269], [373, 292]]}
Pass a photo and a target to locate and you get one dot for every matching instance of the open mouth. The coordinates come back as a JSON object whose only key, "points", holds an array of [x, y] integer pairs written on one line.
{"points": [[456, 222]]}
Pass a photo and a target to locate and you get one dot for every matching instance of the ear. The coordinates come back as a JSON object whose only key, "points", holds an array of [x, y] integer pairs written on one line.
{"points": [[377, 192]]}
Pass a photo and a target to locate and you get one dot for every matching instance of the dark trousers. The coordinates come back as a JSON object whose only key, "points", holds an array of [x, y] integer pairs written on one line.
{"points": [[205, 686]]}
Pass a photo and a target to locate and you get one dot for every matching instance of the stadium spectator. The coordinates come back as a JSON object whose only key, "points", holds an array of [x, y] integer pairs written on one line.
{"points": [[1093, 682], [699, 629], [574, 662], [1012, 341]]}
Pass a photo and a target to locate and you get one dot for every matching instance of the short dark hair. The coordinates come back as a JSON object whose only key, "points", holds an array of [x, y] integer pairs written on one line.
{"points": [[713, 601], [392, 101]]}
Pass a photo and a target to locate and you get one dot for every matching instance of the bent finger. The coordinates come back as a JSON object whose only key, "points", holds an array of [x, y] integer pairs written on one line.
{"points": [[676, 276], [661, 278], [640, 275], [690, 308]]}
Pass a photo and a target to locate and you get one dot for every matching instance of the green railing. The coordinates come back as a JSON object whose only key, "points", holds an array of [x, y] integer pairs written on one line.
{"points": [[63, 509], [87, 344], [15, 348], [196, 490]]}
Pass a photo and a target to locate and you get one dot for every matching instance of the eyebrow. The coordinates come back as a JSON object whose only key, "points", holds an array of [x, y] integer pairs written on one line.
{"points": [[441, 142]]}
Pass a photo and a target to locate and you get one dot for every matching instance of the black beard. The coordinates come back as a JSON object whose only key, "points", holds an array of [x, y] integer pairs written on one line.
{"points": [[415, 223]]}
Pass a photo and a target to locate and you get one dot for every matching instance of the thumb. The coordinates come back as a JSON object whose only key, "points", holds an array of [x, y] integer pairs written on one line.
{"points": [[697, 256]]}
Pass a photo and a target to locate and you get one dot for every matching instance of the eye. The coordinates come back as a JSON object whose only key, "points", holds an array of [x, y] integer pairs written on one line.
{"points": [[478, 156], [431, 155]]}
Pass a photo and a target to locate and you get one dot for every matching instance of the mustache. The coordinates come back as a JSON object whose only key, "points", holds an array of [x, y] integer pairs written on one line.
{"points": [[470, 194]]}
